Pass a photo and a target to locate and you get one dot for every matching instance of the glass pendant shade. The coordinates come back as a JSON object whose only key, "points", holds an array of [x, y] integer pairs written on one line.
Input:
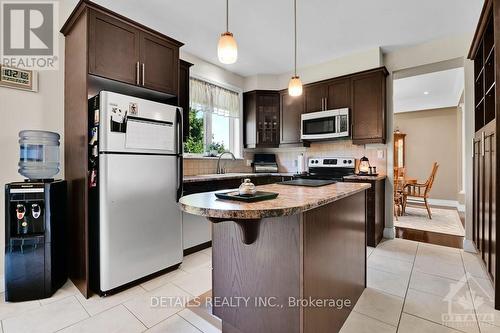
{"points": [[227, 49], [295, 86]]}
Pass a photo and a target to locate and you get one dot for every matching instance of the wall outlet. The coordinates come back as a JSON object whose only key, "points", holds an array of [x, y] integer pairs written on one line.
{"points": [[248, 162], [380, 154]]}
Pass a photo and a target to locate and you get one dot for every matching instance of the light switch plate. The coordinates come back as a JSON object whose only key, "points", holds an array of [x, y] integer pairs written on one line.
{"points": [[248, 162], [380, 154]]}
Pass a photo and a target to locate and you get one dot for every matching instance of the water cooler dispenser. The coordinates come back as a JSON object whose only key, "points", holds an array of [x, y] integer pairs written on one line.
{"points": [[35, 222]]}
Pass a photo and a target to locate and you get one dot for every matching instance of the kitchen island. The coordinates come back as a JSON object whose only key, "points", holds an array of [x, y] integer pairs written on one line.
{"points": [[296, 263]]}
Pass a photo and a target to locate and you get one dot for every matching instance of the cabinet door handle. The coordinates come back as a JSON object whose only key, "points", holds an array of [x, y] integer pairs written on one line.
{"points": [[326, 103], [143, 73], [137, 74], [482, 144]]}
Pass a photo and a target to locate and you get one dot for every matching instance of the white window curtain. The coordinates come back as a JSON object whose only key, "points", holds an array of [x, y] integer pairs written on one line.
{"points": [[207, 97]]}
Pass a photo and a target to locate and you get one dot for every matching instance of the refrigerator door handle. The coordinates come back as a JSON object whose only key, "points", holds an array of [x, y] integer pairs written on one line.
{"points": [[180, 149]]}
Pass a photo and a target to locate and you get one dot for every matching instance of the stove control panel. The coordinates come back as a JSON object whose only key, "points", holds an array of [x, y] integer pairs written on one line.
{"points": [[332, 162]]}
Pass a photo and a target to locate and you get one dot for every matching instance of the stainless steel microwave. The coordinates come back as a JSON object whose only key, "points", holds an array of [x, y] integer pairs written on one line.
{"points": [[325, 125]]}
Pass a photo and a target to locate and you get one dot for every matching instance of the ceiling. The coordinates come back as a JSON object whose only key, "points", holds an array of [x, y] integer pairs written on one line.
{"points": [[429, 91], [327, 29]]}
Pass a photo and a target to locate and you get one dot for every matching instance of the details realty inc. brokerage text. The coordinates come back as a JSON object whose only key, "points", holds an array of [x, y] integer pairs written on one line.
{"points": [[254, 302]]}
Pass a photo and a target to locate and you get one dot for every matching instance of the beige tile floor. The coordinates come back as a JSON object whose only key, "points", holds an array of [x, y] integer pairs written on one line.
{"points": [[408, 291]]}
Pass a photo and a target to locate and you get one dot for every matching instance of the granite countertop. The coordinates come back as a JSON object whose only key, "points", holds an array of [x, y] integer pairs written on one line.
{"points": [[291, 200], [211, 177], [366, 177]]}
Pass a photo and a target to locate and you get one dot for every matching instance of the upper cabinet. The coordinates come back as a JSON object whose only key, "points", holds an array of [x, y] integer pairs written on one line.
{"points": [[291, 107], [159, 64], [261, 113], [315, 97], [328, 95], [364, 94], [368, 113], [113, 48], [126, 51], [339, 94]]}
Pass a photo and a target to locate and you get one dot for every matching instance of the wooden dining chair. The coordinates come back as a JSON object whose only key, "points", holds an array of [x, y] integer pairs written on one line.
{"points": [[399, 175], [420, 191]]}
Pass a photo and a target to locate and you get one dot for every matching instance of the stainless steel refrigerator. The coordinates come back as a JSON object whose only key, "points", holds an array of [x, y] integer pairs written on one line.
{"points": [[135, 181]]}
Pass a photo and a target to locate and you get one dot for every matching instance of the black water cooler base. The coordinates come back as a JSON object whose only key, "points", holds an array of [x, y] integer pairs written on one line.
{"points": [[35, 239]]}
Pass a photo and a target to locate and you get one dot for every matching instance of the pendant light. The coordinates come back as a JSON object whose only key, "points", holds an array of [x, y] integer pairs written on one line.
{"points": [[295, 85], [227, 50]]}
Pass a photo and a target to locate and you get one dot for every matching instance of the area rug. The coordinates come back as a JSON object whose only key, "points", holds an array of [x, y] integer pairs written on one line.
{"points": [[444, 221]]}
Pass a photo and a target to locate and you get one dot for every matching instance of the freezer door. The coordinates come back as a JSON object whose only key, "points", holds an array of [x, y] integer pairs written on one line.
{"points": [[140, 228], [133, 125]]}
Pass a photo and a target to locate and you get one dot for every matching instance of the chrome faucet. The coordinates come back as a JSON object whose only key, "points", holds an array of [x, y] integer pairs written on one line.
{"points": [[219, 169]]}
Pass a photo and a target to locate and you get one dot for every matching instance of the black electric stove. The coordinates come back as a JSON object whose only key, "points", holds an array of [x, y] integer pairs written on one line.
{"points": [[329, 168]]}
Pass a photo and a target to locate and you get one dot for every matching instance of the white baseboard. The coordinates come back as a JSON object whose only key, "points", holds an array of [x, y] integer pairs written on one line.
{"points": [[447, 203], [443, 202], [389, 232]]}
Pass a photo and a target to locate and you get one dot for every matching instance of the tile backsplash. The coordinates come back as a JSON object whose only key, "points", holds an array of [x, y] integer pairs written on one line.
{"points": [[344, 148], [203, 166], [287, 157]]}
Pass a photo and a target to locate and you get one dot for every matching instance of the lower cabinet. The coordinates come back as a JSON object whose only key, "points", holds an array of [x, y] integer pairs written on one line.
{"points": [[196, 230], [484, 198], [375, 210]]}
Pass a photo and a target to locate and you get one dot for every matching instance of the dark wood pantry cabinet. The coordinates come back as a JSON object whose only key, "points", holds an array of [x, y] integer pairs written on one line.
{"points": [[484, 51], [105, 51], [261, 116]]}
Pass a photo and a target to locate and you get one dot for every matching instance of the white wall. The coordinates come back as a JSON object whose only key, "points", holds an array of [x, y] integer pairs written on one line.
{"points": [[213, 73], [424, 54], [336, 67]]}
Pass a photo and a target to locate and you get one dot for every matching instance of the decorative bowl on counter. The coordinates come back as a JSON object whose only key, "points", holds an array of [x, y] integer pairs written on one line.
{"points": [[247, 188]]}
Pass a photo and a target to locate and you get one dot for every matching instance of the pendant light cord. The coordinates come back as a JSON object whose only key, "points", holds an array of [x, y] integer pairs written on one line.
{"points": [[227, 15], [295, 39]]}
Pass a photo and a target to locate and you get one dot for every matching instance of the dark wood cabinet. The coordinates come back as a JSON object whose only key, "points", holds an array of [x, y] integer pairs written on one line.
{"points": [[485, 233], [261, 114], [364, 94], [159, 64], [315, 97], [113, 48], [104, 51], [339, 94], [124, 51], [375, 210], [291, 108], [368, 115], [484, 196], [183, 99], [328, 95]]}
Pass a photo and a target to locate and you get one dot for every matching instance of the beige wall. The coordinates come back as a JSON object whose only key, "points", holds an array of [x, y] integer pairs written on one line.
{"points": [[431, 136], [424, 54]]}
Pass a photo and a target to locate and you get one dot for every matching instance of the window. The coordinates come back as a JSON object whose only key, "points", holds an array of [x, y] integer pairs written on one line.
{"points": [[214, 119]]}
